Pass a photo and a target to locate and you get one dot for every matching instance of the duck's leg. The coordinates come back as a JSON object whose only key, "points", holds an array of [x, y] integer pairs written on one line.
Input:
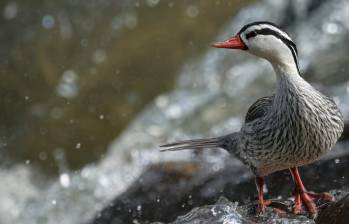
{"points": [[303, 197], [261, 203]]}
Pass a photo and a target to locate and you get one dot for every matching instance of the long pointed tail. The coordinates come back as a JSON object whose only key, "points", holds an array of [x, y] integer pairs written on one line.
{"points": [[192, 144], [225, 142]]}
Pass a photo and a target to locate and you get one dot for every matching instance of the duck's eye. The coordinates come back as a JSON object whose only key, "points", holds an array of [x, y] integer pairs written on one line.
{"points": [[251, 34]]}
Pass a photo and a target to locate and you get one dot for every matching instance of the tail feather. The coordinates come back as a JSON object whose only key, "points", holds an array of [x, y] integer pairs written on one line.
{"points": [[191, 141], [228, 142], [193, 144]]}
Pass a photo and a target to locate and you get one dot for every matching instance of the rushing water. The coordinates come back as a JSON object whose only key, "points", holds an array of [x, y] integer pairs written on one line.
{"points": [[210, 98]]}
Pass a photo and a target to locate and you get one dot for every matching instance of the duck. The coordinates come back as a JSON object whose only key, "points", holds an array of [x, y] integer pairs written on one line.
{"points": [[293, 127]]}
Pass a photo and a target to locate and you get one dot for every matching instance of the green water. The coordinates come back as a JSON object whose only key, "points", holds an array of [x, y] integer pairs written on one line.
{"points": [[75, 73]]}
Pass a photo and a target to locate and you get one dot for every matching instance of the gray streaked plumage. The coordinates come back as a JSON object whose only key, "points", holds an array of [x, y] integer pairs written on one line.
{"points": [[293, 127], [259, 108], [297, 126]]}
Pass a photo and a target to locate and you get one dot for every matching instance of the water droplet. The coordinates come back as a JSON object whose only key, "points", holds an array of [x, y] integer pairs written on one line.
{"points": [[69, 76], [213, 211], [26, 97], [64, 179], [78, 145], [130, 21], [337, 161], [101, 117], [174, 111], [192, 11], [99, 56], [104, 181], [265, 189], [27, 162], [48, 21], [161, 101], [53, 202], [330, 27], [139, 207], [68, 87]]}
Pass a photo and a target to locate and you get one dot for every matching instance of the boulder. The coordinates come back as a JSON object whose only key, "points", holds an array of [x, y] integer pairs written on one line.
{"points": [[168, 190], [335, 213]]}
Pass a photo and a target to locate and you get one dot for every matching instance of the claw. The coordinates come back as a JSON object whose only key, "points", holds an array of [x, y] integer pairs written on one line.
{"points": [[323, 195], [267, 203], [303, 197], [262, 205], [297, 208]]}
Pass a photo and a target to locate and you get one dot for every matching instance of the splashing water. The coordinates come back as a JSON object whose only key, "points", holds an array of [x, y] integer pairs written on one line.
{"points": [[226, 212]]}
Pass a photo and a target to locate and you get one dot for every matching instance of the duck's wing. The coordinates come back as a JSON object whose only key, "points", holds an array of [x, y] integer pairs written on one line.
{"points": [[259, 108]]}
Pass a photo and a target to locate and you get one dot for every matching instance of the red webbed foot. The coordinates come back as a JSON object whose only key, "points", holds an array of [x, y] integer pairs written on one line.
{"points": [[303, 197]]}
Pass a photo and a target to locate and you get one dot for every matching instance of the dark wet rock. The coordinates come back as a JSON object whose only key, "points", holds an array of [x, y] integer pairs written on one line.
{"points": [[335, 213], [168, 190]]}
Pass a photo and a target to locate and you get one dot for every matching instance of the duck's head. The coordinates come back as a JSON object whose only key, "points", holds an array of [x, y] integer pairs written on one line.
{"points": [[265, 40]]}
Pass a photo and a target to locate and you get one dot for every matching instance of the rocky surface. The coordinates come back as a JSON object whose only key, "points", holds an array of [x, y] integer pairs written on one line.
{"points": [[168, 190], [224, 211], [335, 213]]}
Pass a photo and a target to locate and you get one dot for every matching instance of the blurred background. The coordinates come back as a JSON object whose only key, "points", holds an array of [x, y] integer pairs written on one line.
{"points": [[75, 73], [90, 88]]}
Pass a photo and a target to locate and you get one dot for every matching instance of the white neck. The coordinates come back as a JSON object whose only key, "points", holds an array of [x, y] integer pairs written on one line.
{"points": [[287, 73], [286, 68]]}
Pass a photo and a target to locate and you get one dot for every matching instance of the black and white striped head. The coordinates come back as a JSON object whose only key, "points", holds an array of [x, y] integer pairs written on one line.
{"points": [[266, 40]]}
